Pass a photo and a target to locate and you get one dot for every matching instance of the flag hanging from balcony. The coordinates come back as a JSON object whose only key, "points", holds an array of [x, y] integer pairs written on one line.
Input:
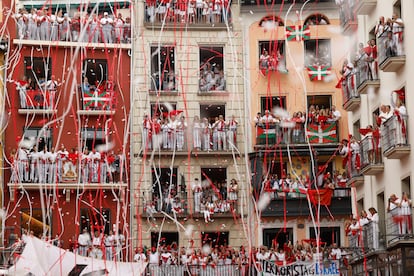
{"points": [[96, 99], [318, 72], [322, 196], [322, 133], [297, 33]]}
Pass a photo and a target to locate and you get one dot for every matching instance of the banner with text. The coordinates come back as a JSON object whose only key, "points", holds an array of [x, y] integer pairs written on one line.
{"points": [[330, 268]]}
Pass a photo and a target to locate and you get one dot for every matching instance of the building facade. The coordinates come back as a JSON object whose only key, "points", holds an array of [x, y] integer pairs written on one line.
{"points": [[294, 60], [67, 103], [379, 107]]}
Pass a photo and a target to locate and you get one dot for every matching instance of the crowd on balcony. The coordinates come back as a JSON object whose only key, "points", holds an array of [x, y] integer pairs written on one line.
{"points": [[291, 128], [28, 165], [191, 12], [287, 186], [389, 131], [364, 228], [171, 132], [37, 95], [390, 36], [273, 61], [47, 25], [211, 77]]}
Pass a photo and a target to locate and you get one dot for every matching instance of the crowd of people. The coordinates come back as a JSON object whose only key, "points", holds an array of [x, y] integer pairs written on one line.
{"points": [[28, 165], [213, 256], [191, 12], [171, 132], [388, 42], [273, 61], [290, 128], [389, 130], [211, 77], [47, 25]]}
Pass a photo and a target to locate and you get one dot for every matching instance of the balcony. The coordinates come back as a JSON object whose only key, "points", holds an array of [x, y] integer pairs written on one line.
{"points": [[350, 96], [371, 159], [365, 240], [170, 139], [365, 6], [394, 140], [366, 76], [293, 204], [97, 102], [391, 55], [398, 226], [37, 102], [40, 174], [175, 205], [348, 18], [271, 134], [171, 17]]}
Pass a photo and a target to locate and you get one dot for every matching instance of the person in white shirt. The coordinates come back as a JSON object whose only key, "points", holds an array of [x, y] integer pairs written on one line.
{"points": [[220, 127], [375, 228], [84, 241], [154, 258], [146, 132], [22, 165], [394, 208], [398, 31], [61, 157], [336, 252], [119, 28], [120, 243], [109, 241], [172, 124], [140, 256], [51, 87], [206, 130], [405, 210], [107, 26], [34, 162], [43, 165], [85, 166], [268, 118], [52, 166], [44, 25], [336, 114], [180, 130], [94, 159], [198, 194], [197, 132], [94, 29], [399, 134], [363, 218], [32, 25], [232, 132], [96, 251]]}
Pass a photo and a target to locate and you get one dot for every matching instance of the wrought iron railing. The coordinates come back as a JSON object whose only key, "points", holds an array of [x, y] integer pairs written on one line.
{"points": [[390, 44], [370, 151], [394, 132]]}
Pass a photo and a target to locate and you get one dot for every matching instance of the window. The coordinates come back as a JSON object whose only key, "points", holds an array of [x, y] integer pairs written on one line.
{"points": [[327, 235], [211, 69], [320, 102], [406, 185], [268, 103], [165, 239], [161, 109], [37, 70], [96, 70], [316, 19], [318, 52], [276, 168], [215, 239], [163, 68], [165, 186], [95, 219], [92, 137], [211, 111], [41, 135], [217, 178], [357, 127], [272, 55], [277, 237], [32, 220]]}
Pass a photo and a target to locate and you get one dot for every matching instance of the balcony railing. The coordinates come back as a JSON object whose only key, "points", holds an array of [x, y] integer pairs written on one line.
{"points": [[74, 30], [191, 15], [201, 270], [399, 224], [366, 73], [365, 239], [391, 55], [168, 138], [270, 134], [32, 172], [370, 150], [350, 95], [37, 99], [293, 203], [394, 133]]}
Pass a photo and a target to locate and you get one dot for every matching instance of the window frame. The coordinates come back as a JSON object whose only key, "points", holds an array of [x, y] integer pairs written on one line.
{"points": [[156, 64]]}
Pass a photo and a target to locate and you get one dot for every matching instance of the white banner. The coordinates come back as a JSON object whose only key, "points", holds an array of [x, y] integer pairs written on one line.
{"points": [[41, 258], [301, 269]]}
